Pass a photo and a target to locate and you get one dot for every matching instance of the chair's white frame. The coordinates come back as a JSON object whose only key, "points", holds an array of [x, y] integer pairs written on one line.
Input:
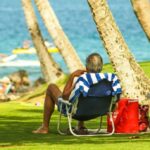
{"points": [[69, 117]]}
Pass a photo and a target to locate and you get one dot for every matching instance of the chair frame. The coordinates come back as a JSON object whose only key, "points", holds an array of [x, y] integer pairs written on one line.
{"points": [[69, 117]]}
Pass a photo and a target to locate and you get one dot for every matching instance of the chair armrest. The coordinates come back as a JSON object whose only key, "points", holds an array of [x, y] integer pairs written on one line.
{"points": [[64, 101]]}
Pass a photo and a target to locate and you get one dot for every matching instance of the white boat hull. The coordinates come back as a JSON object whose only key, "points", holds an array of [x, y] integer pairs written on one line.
{"points": [[20, 63]]}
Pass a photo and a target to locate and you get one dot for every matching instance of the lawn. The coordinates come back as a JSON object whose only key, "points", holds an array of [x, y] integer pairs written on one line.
{"points": [[18, 119]]}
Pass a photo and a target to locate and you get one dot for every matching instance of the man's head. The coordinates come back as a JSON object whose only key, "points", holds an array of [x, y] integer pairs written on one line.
{"points": [[94, 63]]}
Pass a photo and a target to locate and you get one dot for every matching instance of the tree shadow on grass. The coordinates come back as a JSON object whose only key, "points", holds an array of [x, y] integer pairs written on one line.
{"points": [[17, 130], [30, 110]]}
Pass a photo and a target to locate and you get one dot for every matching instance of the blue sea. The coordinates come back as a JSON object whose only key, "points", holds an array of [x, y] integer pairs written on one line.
{"points": [[76, 19]]}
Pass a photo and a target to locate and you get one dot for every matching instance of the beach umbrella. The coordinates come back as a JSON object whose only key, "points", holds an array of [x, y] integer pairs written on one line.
{"points": [[135, 83]]}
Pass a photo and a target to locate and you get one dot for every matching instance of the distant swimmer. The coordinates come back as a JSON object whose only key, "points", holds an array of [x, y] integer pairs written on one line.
{"points": [[2, 55], [26, 44]]}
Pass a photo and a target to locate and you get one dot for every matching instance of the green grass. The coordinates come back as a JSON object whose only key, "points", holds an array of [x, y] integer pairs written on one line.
{"points": [[145, 66], [18, 119]]}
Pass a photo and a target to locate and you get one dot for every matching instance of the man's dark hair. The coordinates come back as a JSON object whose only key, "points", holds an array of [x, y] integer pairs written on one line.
{"points": [[94, 63]]}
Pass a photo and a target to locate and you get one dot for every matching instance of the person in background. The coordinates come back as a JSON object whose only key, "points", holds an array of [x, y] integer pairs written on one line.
{"points": [[26, 44], [5, 85]]}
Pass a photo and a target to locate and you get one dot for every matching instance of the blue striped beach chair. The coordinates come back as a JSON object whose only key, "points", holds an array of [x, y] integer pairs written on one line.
{"points": [[90, 99]]}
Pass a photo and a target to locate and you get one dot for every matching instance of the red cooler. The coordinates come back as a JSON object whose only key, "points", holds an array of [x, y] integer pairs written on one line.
{"points": [[126, 117]]}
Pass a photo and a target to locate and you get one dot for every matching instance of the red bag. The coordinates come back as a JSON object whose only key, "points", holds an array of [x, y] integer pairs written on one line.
{"points": [[143, 117], [126, 117]]}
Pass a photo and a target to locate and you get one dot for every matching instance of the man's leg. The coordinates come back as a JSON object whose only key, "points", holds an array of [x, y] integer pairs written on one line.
{"points": [[51, 98]]}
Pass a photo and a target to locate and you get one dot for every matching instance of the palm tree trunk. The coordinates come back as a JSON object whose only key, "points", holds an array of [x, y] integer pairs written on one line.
{"points": [[142, 11], [50, 69], [135, 83], [60, 39]]}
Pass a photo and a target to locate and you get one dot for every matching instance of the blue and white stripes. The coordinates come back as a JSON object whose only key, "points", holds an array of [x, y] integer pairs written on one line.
{"points": [[84, 82]]}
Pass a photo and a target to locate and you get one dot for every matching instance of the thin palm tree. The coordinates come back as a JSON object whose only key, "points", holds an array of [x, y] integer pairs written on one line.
{"points": [[135, 83], [60, 39], [50, 69], [142, 11]]}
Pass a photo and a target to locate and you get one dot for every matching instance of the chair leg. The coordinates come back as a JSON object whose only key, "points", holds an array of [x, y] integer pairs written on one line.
{"points": [[113, 126], [112, 123], [100, 124], [69, 116], [59, 122], [70, 126]]}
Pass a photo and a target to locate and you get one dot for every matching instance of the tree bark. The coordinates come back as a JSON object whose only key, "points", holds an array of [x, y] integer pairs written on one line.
{"points": [[142, 11], [50, 69], [60, 39], [135, 83]]}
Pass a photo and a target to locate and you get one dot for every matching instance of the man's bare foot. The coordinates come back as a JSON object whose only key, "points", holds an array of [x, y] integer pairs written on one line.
{"points": [[41, 130]]}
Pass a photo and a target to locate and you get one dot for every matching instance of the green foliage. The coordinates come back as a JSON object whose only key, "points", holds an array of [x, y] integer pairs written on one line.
{"points": [[34, 93], [41, 90]]}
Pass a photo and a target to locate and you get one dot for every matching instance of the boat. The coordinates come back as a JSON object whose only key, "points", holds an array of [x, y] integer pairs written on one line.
{"points": [[20, 63], [32, 50], [8, 58]]}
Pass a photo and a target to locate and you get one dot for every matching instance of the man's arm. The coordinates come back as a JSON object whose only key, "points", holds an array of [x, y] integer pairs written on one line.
{"points": [[69, 85]]}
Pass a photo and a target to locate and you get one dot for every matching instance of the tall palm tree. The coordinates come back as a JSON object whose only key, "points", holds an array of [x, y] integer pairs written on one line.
{"points": [[135, 83], [60, 39], [142, 11], [49, 68]]}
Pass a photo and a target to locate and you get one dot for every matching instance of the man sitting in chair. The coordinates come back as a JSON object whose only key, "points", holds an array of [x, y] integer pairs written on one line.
{"points": [[94, 64]]}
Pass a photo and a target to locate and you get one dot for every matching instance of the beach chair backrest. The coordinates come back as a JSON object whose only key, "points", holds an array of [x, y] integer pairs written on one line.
{"points": [[97, 103]]}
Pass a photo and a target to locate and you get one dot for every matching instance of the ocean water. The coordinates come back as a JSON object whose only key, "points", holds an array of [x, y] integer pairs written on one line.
{"points": [[76, 20]]}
